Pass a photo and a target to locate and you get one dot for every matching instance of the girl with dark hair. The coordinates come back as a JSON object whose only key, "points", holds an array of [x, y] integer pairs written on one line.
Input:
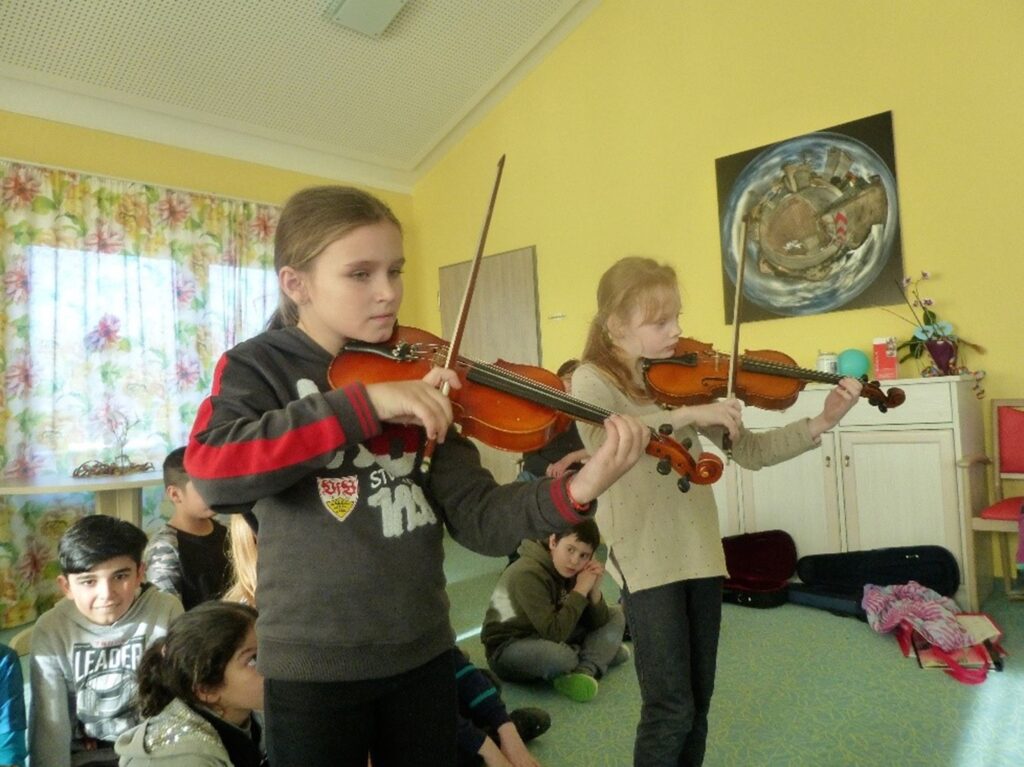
{"points": [[198, 688]]}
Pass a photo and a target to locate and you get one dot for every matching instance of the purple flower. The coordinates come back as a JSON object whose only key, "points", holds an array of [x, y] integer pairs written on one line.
{"points": [[18, 378], [105, 335], [187, 372], [16, 284]]}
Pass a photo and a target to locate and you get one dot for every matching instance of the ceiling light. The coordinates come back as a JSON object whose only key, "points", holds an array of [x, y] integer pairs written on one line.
{"points": [[369, 17]]}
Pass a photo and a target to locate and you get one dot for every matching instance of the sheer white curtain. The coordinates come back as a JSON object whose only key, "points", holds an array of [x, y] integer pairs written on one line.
{"points": [[119, 297]]}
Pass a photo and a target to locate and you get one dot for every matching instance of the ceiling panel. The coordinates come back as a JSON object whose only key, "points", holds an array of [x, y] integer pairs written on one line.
{"points": [[282, 70]]}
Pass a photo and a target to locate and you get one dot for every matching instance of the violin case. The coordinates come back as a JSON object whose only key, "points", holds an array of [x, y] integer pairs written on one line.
{"points": [[760, 566], [835, 582]]}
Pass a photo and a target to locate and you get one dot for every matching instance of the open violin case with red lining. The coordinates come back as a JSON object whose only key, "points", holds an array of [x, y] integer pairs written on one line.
{"points": [[760, 566]]}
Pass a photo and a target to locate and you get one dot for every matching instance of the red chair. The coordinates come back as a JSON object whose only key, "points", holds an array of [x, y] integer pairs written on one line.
{"points": [[1002, 517]]}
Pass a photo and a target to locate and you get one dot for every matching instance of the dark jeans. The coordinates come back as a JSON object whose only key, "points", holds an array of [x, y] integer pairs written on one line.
{"points": [[407, 719], [675, 632]]}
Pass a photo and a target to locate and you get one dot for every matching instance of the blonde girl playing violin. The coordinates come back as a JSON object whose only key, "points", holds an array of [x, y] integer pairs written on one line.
{"points": [[665, 546], [353, 631]]}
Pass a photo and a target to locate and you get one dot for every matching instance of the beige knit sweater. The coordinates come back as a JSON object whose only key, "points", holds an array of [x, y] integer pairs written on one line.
{"points": [[657, 534]]}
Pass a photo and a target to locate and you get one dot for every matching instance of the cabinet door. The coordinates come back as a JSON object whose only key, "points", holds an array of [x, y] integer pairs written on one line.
{"points": [[725, 494], [798, 496], [900, 489]]}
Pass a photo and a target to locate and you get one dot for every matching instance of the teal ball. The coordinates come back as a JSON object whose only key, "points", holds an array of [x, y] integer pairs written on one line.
{"points": [[853, 363]]}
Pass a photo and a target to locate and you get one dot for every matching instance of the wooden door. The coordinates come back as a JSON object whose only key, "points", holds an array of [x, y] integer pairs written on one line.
{"points": [[503, 323]]}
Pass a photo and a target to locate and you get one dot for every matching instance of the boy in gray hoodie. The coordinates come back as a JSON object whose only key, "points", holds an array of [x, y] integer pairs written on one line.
{"points": [[85, 650]]}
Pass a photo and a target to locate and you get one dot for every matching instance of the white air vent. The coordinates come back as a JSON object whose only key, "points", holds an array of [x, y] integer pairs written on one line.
{"points": [[371, 17]]}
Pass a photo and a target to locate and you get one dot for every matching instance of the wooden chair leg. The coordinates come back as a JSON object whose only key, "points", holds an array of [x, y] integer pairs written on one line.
{"points": [[1005, 561]]}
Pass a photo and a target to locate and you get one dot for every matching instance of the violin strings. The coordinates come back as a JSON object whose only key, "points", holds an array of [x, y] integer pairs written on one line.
{"points": [[758, 365], [518, 384]]}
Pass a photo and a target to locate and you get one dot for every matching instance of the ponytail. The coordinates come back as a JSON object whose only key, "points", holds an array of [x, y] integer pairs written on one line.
{"points": [[154, 691], [198, 647]]}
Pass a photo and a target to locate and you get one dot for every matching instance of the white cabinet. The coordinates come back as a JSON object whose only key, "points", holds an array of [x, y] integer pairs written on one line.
{"points": [[879, 479]]}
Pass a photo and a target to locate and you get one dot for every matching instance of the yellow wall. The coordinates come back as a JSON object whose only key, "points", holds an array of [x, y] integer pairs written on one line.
{"points": [[611, 145]]}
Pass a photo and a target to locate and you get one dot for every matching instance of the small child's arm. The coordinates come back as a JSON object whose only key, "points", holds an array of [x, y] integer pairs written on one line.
{"points": [[559, 467], [163, 565], [513, 748], [492, 755], [12, 709], [50, 709]]}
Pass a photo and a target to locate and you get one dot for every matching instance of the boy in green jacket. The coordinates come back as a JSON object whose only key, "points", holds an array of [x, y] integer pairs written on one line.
{"points": [[548, 618]]}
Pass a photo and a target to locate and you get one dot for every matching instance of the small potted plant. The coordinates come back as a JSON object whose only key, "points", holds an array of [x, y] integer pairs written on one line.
{"points": [[931, 334]]}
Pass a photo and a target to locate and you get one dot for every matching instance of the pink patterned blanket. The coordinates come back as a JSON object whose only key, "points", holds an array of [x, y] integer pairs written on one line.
{"points": [[928, 612]]}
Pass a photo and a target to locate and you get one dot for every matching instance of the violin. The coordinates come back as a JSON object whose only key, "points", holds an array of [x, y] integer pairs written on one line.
{"points": [[696, 374], [505, 405]]}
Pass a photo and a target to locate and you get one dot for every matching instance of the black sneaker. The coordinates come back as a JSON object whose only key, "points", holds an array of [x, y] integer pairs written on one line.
{"points": [[530, 722]]}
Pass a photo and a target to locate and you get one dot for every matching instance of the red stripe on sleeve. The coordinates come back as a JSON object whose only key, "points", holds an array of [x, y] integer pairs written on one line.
{"points": [[356, 394], [561, 500], [259, 456]]}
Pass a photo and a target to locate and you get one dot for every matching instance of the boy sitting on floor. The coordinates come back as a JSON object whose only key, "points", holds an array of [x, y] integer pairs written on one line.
{"points": [[188, 556], [548, 618], [85, 650]]}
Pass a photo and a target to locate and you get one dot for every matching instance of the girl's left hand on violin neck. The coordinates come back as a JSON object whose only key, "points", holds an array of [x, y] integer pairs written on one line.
{"points": [[838, 403], [625, 440]]}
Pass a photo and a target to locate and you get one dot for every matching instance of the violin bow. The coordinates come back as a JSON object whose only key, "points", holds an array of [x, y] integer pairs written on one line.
{"points": [[467, 298], [735, 356]]}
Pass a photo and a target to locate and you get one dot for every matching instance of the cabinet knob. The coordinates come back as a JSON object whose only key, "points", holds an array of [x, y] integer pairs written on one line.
{"points": [[846, 460], [828, 462]]}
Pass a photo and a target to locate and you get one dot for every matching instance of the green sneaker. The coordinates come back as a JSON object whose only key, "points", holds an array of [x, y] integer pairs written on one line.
{"points": [[576, 686]]}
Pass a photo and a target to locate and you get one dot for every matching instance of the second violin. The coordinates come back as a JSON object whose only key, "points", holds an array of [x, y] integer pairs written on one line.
{"points": [[696, 374], [504, 405]]}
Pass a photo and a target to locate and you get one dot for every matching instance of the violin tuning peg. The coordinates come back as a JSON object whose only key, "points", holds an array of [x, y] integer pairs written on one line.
{"points": [[687, 443], [665, 429], [683, 484], [664, 467]]}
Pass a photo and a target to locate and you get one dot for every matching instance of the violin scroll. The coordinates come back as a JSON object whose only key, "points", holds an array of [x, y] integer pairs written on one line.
{"points": [[706, 470], [882, 400]]}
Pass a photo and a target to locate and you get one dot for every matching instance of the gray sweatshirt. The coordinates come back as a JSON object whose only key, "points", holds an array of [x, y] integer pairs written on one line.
{"points": [[351, 583], [83, 676]]}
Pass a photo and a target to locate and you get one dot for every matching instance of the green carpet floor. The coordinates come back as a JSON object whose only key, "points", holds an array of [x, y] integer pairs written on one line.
{"points": [[795, 686]]}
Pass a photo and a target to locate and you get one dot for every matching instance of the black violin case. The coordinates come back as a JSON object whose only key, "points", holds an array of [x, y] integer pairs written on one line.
{"points": [[835, 582], [760, 566]]}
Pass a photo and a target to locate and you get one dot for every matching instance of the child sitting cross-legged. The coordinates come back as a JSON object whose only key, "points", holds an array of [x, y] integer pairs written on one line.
{"points": [[198, 688], [85, 650], [549, 620]]}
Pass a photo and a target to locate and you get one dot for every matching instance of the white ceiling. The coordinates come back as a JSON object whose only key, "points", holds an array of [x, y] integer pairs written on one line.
{"points": [[277, 81]]}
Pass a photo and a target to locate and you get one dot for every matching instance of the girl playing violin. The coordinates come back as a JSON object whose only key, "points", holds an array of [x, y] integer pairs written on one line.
{"points": [[355, 641], [665, 546]]}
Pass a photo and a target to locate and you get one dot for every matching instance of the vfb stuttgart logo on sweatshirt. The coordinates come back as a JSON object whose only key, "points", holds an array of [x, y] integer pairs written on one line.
{"points": [[338, 494]]}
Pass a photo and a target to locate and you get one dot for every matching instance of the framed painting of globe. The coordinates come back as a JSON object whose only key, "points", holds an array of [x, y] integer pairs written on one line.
{"points": [[816, 219]]}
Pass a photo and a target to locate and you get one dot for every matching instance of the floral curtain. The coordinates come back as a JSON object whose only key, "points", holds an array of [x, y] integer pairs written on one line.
{"points": [[118, 299]]}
